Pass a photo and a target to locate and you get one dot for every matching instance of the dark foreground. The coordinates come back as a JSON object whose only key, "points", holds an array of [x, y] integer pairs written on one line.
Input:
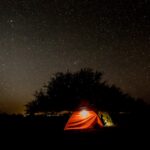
{"points": [[49, 134]]}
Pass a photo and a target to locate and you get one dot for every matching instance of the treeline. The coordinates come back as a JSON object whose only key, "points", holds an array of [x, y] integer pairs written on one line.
{"points": [[66, 91]]}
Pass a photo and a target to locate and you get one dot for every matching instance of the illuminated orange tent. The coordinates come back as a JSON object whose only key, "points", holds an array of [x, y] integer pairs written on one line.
{"points": [[83, 119]]}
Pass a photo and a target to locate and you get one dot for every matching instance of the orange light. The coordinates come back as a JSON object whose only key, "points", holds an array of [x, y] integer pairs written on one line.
{"points": [[84, 113]]}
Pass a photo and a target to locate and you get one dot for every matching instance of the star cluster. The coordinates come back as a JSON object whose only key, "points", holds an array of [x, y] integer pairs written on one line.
{"points": [[40, 37]]}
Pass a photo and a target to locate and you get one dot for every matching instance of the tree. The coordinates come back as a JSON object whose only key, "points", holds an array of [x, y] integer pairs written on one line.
{"points": [[65, 91]]}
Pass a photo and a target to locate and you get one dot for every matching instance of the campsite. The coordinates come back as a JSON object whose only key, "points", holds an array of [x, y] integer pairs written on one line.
{"points": [[78, 109], [46, 132], [74, 73]]}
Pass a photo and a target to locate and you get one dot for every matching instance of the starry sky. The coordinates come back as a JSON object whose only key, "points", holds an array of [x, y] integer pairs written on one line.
{"points": [[41, 37]]}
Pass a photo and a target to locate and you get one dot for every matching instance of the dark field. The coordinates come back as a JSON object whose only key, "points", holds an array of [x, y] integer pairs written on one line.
{"points": [[48, 133]]}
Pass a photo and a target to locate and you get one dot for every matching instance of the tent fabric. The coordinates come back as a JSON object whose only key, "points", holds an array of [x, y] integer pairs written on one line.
{"points": [[83, 120]]}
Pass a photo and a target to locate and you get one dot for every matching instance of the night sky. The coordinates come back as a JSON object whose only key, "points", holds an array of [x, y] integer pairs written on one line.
{"points": [[41, 37]]}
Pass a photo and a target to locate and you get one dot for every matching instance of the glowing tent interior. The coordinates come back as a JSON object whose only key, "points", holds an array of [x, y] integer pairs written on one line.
{"points": [[106, 119], [83, 119]]}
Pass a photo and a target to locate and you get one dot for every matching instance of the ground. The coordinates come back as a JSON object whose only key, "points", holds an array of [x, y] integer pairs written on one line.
{"points": [[47, 133]]}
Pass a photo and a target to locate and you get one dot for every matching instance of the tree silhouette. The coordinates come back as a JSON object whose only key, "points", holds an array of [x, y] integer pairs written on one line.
{"points": [[65, 91]]}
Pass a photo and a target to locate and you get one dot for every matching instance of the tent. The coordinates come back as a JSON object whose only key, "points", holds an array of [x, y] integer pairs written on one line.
{"points": [[106, 119], [83, 119]]}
